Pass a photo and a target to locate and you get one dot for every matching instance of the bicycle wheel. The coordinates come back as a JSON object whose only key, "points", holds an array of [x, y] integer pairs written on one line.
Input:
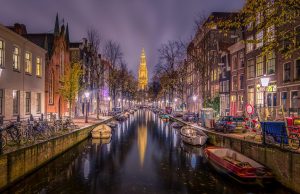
{"points": [[294, 141]]}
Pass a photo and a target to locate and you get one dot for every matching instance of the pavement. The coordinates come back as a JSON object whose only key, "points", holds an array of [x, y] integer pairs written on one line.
{"points": [[80, 121]]}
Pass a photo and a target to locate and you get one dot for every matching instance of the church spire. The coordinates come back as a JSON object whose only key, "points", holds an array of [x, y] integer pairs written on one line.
{"points": [[56, 28], [143, 73], [67, 35]]}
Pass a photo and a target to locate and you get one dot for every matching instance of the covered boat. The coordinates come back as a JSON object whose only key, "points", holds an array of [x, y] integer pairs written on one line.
{"points": [[237, 165], [193, 136], [101, 131]]}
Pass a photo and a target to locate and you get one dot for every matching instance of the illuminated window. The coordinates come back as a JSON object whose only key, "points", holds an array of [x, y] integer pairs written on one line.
{"points": [[16, 102], [250, 94], [16, 58], [259, 98], [27, 102], [38, 103], [1, 53], [259, 66], [38, 67], [28, 63], [249, 44], [271, 59], [51, 88]]}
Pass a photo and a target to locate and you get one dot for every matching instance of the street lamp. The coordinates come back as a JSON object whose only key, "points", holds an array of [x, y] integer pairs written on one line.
{"points": [[175, 101], [194, 99], [264, 83], [86, 94]]}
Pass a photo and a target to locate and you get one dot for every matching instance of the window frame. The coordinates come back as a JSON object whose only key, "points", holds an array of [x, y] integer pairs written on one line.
{"points": [[253, 65], [38, 67], [27, 103], [30, 62], [285, 80], [2, 58], [261, 63], [38, 103], [268, 59], [17, 55], [16, 107]]}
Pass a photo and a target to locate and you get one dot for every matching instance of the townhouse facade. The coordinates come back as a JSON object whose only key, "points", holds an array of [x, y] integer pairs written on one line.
{"points": [[22, 76]]}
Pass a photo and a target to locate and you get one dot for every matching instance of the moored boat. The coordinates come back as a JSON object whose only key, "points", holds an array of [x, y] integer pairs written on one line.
{"points": [[101, 131], [193, 136], [238, 166], [112, 124]]}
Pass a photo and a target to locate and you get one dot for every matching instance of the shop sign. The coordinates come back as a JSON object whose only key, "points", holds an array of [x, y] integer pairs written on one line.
{"points": [[249, 109]]}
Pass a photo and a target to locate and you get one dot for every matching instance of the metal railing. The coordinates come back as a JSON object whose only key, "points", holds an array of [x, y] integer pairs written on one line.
{"points": [[23, 131]]}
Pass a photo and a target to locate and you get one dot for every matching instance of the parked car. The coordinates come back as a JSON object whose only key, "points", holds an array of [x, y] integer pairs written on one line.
{"points": [[230, 124]]}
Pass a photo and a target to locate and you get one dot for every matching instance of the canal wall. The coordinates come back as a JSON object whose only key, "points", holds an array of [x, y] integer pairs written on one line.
{"points": [[285, 164], [17, 164]]}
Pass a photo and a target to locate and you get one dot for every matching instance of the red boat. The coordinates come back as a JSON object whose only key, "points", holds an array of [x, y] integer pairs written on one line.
{"points": [[237, 166]]}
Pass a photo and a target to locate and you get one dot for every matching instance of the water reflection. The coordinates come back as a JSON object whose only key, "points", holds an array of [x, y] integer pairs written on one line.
{"points": [[142, 143], [168, 165]]}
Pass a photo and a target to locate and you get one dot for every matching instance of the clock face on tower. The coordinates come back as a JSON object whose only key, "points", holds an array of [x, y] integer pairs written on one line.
{"points": [[143, 73]]}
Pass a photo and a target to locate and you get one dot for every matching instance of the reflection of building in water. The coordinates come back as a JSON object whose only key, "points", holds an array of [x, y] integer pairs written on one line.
{"points": [[142, 143]]}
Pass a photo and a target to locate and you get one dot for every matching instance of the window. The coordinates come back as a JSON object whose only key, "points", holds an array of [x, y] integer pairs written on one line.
{"points": [[240, 102], [242, 82], [241, 56], [38, 103], [51, 88], [259, 39], [1, 53], [297, 72], [1, 101], [27, 102], [259, 66], [234, 83], [251, 94], [259, 98], [283, 99], [28, 63], [271, 58], [294, 99], [271, 33], [297, 29], [16, 59], [249, 44], [16, 102], [38, 67], [287, 72], [250, 68], [62, 62], [235, 62]]}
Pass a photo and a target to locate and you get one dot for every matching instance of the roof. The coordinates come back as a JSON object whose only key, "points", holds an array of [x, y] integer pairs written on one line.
{"points": [[44, 40]]}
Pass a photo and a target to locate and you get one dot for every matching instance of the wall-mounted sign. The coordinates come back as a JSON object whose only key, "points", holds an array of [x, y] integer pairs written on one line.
{"points": [[249, 109]]}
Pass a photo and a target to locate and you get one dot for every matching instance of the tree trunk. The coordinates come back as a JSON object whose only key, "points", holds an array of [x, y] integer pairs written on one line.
{"points": [[70, 109], [98, 103]]}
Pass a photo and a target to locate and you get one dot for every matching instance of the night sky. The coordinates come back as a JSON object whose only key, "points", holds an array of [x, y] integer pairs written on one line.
{"points": [[132, 23]]}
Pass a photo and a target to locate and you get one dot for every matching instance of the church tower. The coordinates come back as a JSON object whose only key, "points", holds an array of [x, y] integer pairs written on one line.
{"points": [[143, 73]]}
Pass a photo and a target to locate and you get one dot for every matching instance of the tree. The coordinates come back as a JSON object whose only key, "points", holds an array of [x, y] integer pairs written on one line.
{"points": [[113, 54], [272, 20], [171, 56], [71, 85], [97, 68]]}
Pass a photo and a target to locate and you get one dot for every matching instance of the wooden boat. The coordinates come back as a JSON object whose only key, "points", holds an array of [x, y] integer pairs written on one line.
{"points": [[121, 117], [176, 125], [237, 165], [101, 131], [193, 136]]}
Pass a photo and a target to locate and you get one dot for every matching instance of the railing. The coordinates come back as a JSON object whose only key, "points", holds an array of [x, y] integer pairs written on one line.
{"points": [[29, 130]]}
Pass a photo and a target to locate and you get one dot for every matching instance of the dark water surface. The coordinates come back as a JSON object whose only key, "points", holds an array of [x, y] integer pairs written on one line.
{"points": [[145, 155]]}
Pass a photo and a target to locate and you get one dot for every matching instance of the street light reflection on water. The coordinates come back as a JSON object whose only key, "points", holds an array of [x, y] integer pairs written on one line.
{"points": [[144, 155]]}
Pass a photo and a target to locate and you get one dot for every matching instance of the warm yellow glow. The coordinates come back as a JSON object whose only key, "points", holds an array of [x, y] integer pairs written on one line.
{"points": [[143, 73], [142, 143]]}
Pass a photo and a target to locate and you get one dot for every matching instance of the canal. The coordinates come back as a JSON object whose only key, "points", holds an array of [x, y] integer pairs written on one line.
{"points": [[145, 155]]}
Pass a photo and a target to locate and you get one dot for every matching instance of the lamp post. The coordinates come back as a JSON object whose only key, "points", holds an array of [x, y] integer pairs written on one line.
{"points": [[194, 99], [175, 102], [264, 83], [86, 94]]}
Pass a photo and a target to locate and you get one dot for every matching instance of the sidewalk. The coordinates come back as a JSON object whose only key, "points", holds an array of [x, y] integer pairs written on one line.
{"points": [[80, 121]]}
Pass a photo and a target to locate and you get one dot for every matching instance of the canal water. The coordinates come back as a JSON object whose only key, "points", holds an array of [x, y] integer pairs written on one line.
{"points": [[145, 155]]}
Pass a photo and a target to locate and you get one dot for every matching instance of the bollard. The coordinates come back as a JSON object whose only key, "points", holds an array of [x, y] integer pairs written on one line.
{"points": [[31, 117], [42, 117], [1, 120], [18, 118]]}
